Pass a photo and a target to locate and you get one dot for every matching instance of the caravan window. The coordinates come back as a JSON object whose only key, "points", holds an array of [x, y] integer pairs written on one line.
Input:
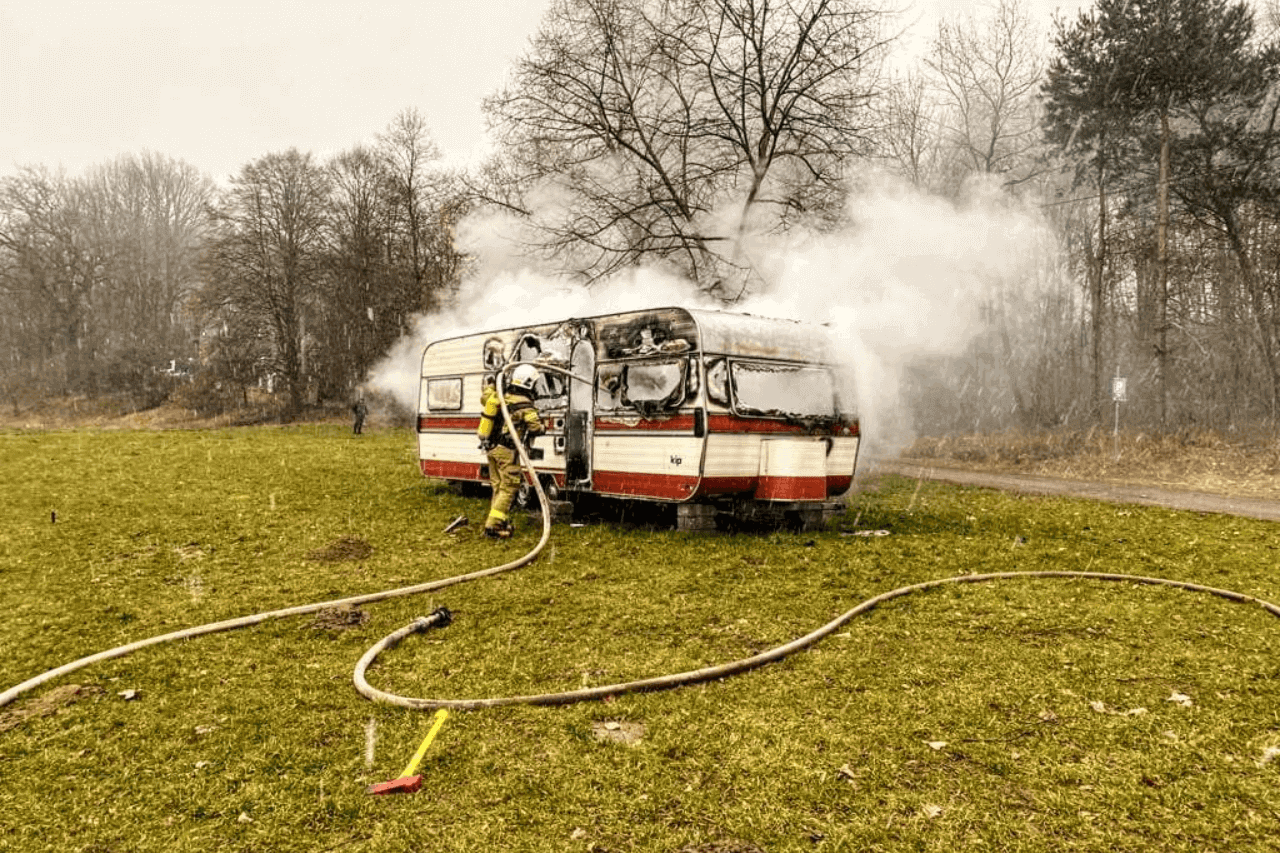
{"points": [[444, 394], [644, 386], [718, 381], [783, 390], [493, 357]]}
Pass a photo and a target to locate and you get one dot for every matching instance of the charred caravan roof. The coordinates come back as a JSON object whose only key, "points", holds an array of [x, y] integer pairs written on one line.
{"points": [[713, 332], [725, 333], [718, 333]]}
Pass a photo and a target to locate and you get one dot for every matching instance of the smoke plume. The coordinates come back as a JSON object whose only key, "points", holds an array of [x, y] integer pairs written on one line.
{"points": [[907, 278]]}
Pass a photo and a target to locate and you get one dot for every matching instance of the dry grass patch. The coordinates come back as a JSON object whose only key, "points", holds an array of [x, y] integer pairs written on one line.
{"points": [[1202, 461]]}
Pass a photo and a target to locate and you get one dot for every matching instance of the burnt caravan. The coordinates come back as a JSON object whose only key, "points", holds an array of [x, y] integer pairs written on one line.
{"points": [[714, 412]]}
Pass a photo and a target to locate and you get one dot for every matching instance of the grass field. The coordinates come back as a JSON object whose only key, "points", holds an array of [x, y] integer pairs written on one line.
{"points": [[1027, 715]]}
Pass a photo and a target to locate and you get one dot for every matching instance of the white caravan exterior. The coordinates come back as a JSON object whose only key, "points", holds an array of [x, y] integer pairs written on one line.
{"points": [[696, 407]]}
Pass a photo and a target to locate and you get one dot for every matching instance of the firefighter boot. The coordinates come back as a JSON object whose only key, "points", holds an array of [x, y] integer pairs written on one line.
{"points": [[501, 530]]}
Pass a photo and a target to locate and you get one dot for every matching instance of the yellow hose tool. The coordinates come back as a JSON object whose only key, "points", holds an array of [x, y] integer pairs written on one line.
{"points": [[408, 782]]}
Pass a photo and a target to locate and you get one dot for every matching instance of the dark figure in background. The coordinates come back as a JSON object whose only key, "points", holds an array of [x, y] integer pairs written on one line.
{"points": [[358, 413]]}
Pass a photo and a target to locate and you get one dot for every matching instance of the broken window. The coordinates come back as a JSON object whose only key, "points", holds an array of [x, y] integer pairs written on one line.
{"points": [[493, 357], [783, 390], [529, 348], [648, 387], [718, 381]]}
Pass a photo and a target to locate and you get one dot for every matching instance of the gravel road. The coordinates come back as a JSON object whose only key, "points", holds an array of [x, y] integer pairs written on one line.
{"points": [[1266, 510]]}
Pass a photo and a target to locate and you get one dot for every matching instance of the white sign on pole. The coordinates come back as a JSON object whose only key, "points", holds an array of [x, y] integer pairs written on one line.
{"points": [[1119, 389]]}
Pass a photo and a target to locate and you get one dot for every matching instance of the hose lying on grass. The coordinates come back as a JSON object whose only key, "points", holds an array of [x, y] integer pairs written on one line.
{"points": [[724, 670], [300, 610], [663, 682]]}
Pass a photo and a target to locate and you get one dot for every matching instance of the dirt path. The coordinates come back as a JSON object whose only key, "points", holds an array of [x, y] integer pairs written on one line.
{"points": [[1028, 484]]}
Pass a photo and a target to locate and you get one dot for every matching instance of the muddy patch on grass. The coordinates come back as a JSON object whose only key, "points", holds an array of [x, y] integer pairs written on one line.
{"points": [[339, 619], [49, 703], [342, 550], [617, 731]]}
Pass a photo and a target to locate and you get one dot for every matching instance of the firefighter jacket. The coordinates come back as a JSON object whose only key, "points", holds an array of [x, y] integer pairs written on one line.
{"points": [[525, 415]]}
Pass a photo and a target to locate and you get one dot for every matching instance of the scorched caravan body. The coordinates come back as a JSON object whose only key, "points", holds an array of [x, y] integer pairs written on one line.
{"points": [[713, 411]]}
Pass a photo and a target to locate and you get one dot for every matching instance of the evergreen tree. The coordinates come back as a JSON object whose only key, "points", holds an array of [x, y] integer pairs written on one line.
{"points": [[1130, 72]]}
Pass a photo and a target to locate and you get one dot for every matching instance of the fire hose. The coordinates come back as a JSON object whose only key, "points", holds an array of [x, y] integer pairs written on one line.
{"points": [[442, 617]]}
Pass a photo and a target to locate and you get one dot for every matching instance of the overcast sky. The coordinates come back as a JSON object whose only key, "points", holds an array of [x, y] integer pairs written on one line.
{"points": [[219, 83]]}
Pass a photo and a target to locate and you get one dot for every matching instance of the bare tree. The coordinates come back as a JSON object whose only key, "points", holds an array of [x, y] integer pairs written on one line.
{"points": [[425, 205], [357, 314], [97, 271], [989, 71], [666, 130], [150, 213], [1270, 23], [52, 274], [265, 262], [910, 137]]}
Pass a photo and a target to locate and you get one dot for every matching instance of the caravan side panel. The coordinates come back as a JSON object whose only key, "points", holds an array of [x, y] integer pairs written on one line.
{"points": [[647, 459], [449, 409]]}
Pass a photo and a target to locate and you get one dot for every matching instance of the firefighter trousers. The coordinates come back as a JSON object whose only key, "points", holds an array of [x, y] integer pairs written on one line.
{"points": [[504, 476]]}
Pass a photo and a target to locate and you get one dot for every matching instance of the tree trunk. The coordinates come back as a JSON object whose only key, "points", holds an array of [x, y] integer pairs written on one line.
{"points": [[1162, 275], [1257, 302], [1096, 302]]}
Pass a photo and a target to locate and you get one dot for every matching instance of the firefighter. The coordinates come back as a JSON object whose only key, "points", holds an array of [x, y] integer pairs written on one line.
{"points": [[497, 443], [359, 411]]}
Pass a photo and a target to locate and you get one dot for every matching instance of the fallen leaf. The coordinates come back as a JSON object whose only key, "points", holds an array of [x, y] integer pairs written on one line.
{"points": [[937, 744], [932, 811], [1181, 698], [128, 695], [1099, 707]]}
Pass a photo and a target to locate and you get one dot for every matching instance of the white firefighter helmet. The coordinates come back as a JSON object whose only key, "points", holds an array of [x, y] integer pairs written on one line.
{"points": [[524, 376]]}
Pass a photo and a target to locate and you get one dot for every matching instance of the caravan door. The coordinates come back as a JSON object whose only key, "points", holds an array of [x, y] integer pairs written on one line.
{"points": [[580, 423]]}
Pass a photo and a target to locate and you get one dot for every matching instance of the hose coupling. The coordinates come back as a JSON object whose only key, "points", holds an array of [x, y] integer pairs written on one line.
{"points": [[439, 618]]}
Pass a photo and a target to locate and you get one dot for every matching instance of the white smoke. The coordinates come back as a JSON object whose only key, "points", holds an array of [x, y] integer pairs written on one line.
{"points": [[906, 278]]}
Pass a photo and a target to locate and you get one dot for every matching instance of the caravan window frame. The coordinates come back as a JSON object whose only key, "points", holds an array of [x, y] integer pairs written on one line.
{"points": [[743, 411], [450, 382], [688, 383]]}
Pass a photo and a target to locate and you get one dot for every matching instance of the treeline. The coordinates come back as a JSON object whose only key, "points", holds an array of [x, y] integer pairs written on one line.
{"points": [[676, 132], [1147, 134], [141, 277]]}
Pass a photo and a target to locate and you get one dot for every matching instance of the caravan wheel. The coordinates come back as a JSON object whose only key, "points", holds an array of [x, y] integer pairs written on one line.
{"points": [[527, 497]]}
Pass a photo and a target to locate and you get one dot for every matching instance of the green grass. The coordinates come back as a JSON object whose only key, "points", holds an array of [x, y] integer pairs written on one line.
{"points": [[1001, 716]]}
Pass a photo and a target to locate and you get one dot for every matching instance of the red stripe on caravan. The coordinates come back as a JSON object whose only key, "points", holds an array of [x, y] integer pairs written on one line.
{"points": [[463, 422], [726, 485], [678, 423], [667, 486], [791, 489], [838, 485], [715, 423], [450, 470], [733, 423]]}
